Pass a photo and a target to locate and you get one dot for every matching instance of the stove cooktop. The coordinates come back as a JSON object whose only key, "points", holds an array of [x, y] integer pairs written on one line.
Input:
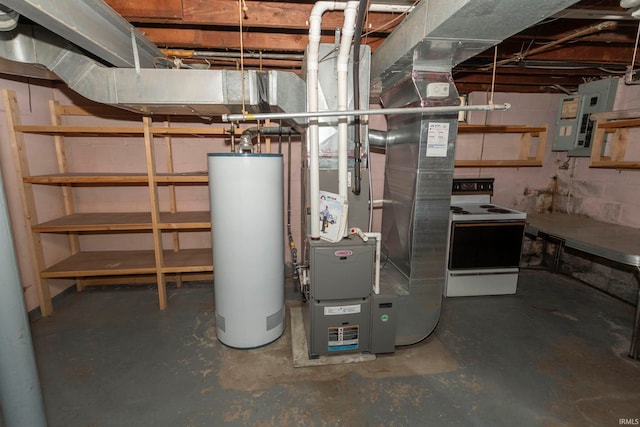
{"points": [[483, 211]]}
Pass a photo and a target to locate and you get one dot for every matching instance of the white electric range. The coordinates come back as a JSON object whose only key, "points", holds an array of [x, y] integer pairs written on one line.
{"points": [[484, 243]]}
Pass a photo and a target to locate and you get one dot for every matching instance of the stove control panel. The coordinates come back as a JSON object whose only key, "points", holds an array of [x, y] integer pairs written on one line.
{"points": [[472, 186]]}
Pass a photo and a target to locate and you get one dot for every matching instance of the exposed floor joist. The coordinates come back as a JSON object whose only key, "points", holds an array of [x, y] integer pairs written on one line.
{"points": [[281, 27]]}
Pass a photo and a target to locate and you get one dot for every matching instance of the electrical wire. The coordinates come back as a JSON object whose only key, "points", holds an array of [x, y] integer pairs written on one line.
{"points": [[390, 22], [493, 74]]}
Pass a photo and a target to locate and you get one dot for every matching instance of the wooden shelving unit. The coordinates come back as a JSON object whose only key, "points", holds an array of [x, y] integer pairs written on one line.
{"points": [[89, 267], [528, 133], [617, 124]]}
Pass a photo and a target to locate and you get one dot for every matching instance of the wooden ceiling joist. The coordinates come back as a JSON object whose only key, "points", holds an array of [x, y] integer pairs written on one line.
{"points": [[568, 49], [259, 14]]}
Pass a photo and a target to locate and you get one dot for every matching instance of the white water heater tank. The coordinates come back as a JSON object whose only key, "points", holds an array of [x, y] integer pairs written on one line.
{"points": [[247, 229]]}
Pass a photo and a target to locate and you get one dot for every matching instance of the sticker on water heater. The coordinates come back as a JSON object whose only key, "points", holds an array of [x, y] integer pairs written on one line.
{"points": [[342, 309], [437, 139]]}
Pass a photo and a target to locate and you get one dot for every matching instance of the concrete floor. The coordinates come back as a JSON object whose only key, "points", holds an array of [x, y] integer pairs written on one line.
{"points": [[552, 355]]}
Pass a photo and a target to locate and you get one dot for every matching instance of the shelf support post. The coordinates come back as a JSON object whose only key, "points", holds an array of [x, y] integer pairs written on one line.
{"points": [[28, 200], [155, 213]]}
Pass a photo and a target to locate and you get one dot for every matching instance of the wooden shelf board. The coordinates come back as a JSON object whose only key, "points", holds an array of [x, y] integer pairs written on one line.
{"points": [[118, 263], [81, 130], [188, 260], [462, 128], [125, 221], [615, 164], [105, 221], [63, 130], [103, 263], [185, 220], [191, 131], [89, 178], [145, 279], [629, 123], [118, 178], [187, 178]]}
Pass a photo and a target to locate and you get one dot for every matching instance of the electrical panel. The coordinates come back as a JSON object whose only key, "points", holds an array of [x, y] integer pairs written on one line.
{"points": [[574, 128]]}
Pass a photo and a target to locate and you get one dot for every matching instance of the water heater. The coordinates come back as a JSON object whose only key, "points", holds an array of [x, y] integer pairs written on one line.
{"points": [[247, 229]]}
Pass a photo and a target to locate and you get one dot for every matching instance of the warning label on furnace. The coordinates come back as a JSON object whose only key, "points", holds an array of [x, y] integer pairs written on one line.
{"points": [[437, 139], [343, 338]]}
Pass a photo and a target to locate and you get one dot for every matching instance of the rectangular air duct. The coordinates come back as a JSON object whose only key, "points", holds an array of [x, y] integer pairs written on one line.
{"points": [[412, 68]]}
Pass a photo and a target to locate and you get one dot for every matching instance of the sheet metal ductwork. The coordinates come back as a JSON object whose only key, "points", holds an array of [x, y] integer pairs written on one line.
{"points": [[417, 196], [439, 34], [154, 91], [413, 68]]}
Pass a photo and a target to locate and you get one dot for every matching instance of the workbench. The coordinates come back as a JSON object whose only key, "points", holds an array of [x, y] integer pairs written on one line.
{"points": [[609, 241]]}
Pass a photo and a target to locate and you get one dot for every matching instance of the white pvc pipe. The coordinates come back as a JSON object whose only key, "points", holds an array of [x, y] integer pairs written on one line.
{"points": [[342, 68], [365, 238], [315, 27], [376, 282]]}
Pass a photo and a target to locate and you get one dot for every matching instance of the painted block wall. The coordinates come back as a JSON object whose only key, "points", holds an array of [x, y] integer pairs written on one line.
{"points": [[32, 111], [603, 194], [108, 154], [607, 195]]}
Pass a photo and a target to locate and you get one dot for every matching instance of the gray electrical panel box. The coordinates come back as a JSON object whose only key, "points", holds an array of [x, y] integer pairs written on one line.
{"points": [[574, 129]]}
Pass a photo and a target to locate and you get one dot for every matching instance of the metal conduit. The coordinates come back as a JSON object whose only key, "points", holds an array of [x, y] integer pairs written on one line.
{"points": [[384, 111]]}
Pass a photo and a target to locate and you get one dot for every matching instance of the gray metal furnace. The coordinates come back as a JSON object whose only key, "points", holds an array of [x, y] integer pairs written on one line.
{"points": [[343, 314]]}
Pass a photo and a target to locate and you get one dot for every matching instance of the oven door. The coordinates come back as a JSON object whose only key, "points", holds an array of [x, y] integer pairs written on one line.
{"points": [[485, 244]]}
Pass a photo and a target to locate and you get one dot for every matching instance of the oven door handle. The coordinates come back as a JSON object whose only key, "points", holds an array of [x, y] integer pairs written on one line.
{"points": [[499, 223], [488, 272]]}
